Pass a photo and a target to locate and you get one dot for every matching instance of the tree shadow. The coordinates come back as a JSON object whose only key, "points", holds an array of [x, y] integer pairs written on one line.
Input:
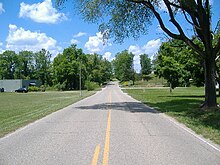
{"points": [[186, 96], [189, 109], [133, 107], [180, 108]]}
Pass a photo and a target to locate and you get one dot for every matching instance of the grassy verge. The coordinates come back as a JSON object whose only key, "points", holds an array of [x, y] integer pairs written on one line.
{"points": [[183, 104], [19, 109]]}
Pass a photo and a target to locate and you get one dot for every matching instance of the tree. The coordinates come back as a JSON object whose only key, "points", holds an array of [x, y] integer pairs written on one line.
{"points": [[123, 66], [177, 63], [43, 66], [66, 68], [125, 18], [145, 62], [8, 61], [26, 64], [98, 70]]}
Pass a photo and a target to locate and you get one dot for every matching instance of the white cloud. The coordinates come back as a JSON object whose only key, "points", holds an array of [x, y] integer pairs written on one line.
{"points": [[80, 34], [1, 8], [108, 56], [20, 39], [41, 12], [150, 49], [95, 43], [74, 41]]}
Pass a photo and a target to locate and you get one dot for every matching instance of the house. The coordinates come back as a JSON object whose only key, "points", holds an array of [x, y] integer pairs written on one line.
{"points": [[12, 85]]}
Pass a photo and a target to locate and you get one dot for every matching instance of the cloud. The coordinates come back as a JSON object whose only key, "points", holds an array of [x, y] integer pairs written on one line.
{"points": [[150, 48], [41, 12], [108, 56], [74, 41], [1, 49], [1, 8], [20, 39], [80, 34], [95, 43]]}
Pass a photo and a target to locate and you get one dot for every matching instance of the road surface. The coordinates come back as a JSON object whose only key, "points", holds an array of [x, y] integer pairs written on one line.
{"points": [[106, 128]]}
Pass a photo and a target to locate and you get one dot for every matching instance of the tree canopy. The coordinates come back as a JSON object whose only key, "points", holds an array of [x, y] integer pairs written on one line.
{"points": [[179, 64], [125, 18], [123, 66]]}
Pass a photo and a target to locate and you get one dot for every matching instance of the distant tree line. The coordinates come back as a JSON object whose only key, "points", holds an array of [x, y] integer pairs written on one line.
{"points": [[63, 72], [175, 61]]}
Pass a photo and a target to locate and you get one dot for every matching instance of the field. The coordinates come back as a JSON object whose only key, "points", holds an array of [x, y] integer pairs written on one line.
{"points": [[183, 104], [19, 109]]}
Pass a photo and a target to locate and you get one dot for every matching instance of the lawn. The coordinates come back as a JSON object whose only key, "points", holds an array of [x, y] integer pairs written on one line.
{"points": [[183, 104], [19, 109]]}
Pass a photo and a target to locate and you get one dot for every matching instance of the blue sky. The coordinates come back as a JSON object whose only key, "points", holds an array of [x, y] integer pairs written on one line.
{"points": [[36, 24]]}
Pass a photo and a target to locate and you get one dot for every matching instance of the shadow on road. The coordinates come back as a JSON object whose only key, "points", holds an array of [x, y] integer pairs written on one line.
{"points": [[133, 107]]}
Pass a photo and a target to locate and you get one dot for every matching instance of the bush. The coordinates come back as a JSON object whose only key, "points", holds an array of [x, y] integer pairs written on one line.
{"points": [[33, 89], [60, 87], [90, 86], [126, 83]]}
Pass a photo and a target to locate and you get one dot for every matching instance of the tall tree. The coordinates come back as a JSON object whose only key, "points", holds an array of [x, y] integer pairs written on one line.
{"points": [[125, 18], [123, 66], [26, 64], [145, 62], [8, 62], [43, 66], [66, 67], [177, 63]]}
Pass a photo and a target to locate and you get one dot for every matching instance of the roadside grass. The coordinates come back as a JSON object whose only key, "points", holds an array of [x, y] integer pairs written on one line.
{"points": [[20, 109], [183, 104]]}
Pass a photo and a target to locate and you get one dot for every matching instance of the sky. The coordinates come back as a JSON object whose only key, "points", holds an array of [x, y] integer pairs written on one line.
{"points": [[36, 24]]}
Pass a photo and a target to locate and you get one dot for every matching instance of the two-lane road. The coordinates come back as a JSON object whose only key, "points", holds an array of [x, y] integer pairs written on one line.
{"points": [[106, 128]]}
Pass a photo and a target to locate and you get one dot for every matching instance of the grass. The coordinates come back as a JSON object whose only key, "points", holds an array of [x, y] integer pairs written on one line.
{"points": [[183, 104], [19, 109]]}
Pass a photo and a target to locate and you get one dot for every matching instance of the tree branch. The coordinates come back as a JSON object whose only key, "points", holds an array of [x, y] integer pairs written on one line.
{"points": [[180, 36]]}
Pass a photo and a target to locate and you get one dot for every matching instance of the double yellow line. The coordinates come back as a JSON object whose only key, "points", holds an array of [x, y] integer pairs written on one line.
{"points": [[107, 140]]}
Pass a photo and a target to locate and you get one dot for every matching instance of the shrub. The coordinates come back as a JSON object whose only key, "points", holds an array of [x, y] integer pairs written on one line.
{"points": [[60, 87], [90, 86], [33, 89]]}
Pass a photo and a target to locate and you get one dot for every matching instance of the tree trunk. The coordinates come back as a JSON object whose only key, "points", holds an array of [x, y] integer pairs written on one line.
{"points": [[210, 85]]}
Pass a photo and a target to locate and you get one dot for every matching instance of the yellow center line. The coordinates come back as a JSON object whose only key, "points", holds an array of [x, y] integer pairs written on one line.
{"points": [[107, 136], [107, 139], [96, 155]]}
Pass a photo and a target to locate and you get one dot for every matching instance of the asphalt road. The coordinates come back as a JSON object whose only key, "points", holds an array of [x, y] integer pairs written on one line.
{"points": [[106, 128]]}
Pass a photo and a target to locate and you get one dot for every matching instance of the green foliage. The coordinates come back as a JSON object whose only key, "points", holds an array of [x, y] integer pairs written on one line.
{"points": [[68, 66], [8, 64], [64, 73], [60, 87], [126, 83], [43, 67], [33, 89], [124, 18], [177, 63], [145, 62], [90, 86], [123, 66]]}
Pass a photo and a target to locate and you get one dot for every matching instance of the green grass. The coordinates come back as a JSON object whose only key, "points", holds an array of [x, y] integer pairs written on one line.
{"points": [[19, 109], [183, 104]]}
